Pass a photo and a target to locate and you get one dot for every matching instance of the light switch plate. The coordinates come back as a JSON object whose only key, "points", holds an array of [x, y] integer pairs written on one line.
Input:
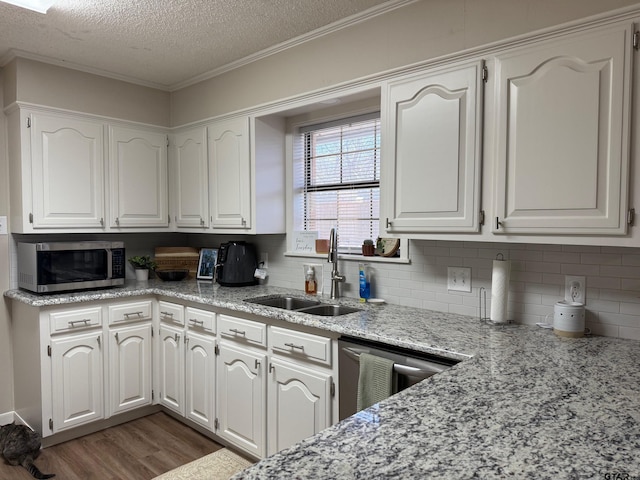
{"points": [[459, 279], [3, 225]]}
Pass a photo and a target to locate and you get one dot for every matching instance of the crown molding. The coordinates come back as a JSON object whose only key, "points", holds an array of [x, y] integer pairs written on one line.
{"points": [[333, 27]]}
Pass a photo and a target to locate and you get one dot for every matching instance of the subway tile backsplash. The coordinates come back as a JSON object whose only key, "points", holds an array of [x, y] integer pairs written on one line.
{"points": [[537, 279]]}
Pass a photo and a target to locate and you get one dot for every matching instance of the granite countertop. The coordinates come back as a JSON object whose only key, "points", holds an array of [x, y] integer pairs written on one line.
{"points": [[523, 403]]}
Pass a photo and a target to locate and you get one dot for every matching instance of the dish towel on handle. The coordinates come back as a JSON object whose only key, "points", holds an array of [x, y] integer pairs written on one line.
{"points": [[375, 382]]}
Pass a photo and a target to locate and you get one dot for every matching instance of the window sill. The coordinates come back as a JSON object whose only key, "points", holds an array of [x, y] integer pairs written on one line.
{"points": [[351, 258]]}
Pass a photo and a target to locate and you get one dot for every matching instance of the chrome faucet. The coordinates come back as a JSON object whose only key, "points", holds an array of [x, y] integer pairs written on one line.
{"points": [[336, 278]]}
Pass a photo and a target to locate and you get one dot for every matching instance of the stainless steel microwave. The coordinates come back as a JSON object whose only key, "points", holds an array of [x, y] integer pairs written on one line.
{"points": [[67, 266]]}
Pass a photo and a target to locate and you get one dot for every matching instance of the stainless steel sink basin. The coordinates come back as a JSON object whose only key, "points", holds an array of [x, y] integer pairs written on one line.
{"points": [[329, 310], [303, 305], [288, 303]]}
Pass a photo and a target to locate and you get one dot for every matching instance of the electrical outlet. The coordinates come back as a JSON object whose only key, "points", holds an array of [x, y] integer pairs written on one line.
{"points": [[575, 289], [264, 260], [459, 279]]}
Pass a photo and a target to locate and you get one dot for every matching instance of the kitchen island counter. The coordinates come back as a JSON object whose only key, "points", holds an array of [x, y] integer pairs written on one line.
{"points": [[523, 403]]}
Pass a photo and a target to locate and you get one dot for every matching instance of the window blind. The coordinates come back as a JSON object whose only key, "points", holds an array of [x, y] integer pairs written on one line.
{"points": [[337, 180]]}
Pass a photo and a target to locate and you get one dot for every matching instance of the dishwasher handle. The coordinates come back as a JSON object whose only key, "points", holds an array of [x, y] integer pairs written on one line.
{"points": [[415, 372]]}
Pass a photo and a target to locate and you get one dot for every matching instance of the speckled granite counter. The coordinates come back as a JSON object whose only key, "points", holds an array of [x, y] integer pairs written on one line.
{"points": [[526, 405]]}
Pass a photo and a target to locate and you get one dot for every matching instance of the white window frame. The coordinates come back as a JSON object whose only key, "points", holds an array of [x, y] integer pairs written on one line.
{"points": [[292, 136]]}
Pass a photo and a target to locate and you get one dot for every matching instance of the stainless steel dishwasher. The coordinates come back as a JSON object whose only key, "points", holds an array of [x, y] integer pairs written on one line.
{"points": [[410, 367]]}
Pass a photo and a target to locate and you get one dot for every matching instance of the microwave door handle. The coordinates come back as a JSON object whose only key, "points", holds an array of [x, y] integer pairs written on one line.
{"points": [[109, 263]]}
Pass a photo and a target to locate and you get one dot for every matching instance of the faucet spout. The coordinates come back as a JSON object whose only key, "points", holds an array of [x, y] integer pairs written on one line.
{"points": [[332, 258]]}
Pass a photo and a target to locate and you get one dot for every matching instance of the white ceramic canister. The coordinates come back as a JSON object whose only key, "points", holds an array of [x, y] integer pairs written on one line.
{"points": [[568, 319]]}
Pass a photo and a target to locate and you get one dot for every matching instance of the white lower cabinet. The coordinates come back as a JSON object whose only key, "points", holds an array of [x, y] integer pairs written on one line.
{"points": [[171, 367], [299, 403], [76, 380], [130, 367], [200, 379], [241, 397]]}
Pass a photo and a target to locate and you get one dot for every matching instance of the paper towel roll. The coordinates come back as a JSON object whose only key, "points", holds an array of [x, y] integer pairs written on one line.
{"points": [[500, 290]]}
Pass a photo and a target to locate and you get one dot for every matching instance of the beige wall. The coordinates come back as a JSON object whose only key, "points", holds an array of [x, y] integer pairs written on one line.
{"points": [[6, 363], [411, 34], [44, 84]]}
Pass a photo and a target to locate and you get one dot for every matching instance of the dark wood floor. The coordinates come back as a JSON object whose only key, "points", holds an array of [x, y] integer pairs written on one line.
{"points": [[138, 450]]}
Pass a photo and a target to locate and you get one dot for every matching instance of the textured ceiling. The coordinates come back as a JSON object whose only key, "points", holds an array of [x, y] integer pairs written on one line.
{"points": [[168, 43]]}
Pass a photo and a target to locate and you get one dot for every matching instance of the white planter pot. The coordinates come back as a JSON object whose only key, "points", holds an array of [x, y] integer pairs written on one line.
{"points": [[142, 274]]}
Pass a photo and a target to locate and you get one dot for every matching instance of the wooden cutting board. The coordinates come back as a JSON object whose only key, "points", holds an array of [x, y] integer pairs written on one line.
{"points": [[169, 258]]}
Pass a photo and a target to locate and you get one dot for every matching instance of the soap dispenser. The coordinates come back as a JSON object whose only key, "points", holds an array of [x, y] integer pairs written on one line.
{"points": [[310, 286]]}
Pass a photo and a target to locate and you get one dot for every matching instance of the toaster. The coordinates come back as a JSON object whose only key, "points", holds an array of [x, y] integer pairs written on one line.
{"points": [[237, 263]]}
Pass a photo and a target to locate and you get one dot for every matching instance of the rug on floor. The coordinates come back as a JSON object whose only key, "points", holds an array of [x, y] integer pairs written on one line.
{"points": [[219, 465]]}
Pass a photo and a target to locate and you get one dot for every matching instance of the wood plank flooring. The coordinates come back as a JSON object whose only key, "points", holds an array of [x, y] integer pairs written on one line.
{"points": [[137, 450]]}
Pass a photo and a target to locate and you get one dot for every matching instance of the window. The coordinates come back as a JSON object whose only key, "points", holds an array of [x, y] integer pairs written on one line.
{"points": [[337, 180]]}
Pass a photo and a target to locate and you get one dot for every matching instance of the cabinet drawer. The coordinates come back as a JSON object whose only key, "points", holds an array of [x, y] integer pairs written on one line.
{"points": [[130, 312], [301, 345], [242, 330], [171, 312], [200, 319], [76, 319]]}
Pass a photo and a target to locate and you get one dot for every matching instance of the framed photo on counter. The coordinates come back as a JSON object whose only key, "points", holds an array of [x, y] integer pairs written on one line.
{"points": [[207, 263]]}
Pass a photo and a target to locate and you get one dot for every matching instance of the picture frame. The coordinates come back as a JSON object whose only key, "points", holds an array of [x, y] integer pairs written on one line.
{"points": [[207, 263]]}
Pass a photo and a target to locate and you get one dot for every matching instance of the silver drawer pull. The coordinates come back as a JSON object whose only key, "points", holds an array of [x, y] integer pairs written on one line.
{"points": [[195, 321], [237, 332], [138, 314], [167, 314], [84, 322], [291, 345]]}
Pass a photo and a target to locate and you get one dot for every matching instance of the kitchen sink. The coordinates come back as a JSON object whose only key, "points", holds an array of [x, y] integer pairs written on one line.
{"points": [[288, 303], [327, 310], [303, 305]]}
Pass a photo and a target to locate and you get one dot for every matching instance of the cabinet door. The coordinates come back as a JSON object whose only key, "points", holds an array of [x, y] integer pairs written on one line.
{"points": [[191, 180], [130, 367], [200, 379], [171, 374], [77, 380], [68, 172], [432, 160], [241, 397], [138, 168], [230, 169], [299, 404], [562, 135]]}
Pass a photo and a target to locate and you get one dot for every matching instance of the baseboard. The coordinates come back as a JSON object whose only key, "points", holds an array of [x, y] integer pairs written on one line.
{"points": [[6, 418]]}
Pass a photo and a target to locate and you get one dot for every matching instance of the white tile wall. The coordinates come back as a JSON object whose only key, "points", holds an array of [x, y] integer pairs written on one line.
{"points": [[537, 279]]}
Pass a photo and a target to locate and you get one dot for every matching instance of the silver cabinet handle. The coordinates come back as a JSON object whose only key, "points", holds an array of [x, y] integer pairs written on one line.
{"points": [[127, 315], [176, 337], [167, 314], [117, 221], [257, 364], [195, 321], [498, 223], [291, 345], [117, 338], [84, 322], [237, 332], [271, 367], [99, 342]]}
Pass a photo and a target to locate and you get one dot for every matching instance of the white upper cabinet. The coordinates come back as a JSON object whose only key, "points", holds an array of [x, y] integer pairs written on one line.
{"points": [[562, 111], [432, 126], [68, 172], [190, 182], [247, 175], [138, 178], [230, 170]]}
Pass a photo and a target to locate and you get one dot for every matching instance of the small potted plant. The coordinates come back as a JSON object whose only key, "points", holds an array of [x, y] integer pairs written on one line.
{"points": [[368, 249], [142, 264]]}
